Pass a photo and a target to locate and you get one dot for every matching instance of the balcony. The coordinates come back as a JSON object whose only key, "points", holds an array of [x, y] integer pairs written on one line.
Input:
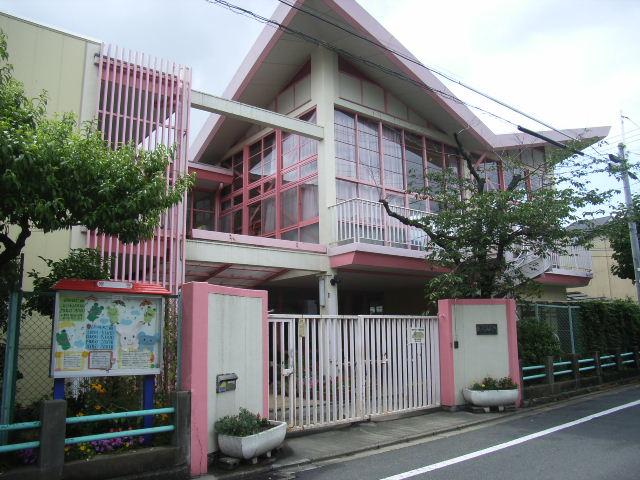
{"points": [[362, 227], [365, 221]]}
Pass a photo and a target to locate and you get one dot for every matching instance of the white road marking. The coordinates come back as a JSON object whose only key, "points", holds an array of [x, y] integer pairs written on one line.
{"points": [[511, 443]]}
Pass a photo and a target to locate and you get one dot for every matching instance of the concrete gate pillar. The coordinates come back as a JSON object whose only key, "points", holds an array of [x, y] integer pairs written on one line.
{"points": [[328, 294], [478, 338], [225, 331]]}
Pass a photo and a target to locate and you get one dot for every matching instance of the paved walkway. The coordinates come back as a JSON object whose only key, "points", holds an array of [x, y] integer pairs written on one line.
{"points": [[366, 436]]}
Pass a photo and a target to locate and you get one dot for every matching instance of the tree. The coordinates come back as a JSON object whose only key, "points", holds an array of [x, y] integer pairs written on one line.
{"points": [[617, 232], [82, 263], [481, 233], [54, 176]]}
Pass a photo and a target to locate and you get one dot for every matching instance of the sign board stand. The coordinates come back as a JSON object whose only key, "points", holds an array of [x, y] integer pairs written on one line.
{"points": [[148, 386], [58, 388], [107, 328]]}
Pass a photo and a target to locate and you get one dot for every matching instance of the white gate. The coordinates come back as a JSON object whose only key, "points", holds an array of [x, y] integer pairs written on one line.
{"points": [[335, 369]]}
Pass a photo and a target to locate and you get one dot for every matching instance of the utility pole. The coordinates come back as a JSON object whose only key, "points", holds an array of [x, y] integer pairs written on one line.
{"points": [[633, 232]]}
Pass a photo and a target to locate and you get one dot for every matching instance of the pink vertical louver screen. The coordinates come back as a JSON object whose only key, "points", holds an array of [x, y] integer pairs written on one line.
{"points": [[146, 100]]}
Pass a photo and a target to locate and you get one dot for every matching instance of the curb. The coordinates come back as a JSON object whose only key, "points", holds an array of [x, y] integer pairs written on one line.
{"points": [[523, 411]]}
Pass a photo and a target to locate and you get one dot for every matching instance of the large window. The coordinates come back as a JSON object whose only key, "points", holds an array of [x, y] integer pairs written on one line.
{"points": [[231, 196], [280, 199], [374, 160], [201, 214], [392, 148]]}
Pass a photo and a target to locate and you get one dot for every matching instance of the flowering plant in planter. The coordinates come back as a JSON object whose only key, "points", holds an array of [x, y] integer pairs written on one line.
{"points": [[243, 424], [490, 383], [491, 392], [248, 435]]}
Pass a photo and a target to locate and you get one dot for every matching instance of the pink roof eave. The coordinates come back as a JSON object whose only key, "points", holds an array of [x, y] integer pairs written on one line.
{"points": [[356, 16], [251, 63]]}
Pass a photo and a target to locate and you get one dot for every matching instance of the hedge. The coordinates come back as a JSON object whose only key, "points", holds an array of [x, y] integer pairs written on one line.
{"points": [[536, 340], [607, 325]]}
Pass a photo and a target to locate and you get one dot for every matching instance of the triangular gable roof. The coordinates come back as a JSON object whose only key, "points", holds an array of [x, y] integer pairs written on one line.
{"points": [[276, 56]]}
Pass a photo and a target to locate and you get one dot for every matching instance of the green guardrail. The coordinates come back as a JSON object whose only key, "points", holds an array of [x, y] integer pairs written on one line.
{"points": [[86, 419], [581, 361], [7, 427]]}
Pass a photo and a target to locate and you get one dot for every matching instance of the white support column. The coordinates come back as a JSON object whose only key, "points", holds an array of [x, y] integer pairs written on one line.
{"points": [[324, 88], [328, 293]]}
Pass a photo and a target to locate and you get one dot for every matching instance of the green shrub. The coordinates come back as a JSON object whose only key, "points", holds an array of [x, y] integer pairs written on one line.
{"points": [[607, 325], [536, 340], [490, 383], [82, 263], [243, 424]]}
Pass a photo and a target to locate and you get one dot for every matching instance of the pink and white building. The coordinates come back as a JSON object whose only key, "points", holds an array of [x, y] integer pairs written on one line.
{"points": [[300, 216], [293, 160]]}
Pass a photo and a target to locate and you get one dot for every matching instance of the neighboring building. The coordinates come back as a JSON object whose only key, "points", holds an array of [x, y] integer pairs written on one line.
{"points": [[296, 214], [604, 284]]}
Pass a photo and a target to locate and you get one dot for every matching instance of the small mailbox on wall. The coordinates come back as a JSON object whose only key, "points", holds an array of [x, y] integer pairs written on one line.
{"points": [[226, 382]]}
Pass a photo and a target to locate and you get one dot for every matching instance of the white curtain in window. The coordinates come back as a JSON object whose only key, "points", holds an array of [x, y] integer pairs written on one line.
{"points": [[309, 199]]}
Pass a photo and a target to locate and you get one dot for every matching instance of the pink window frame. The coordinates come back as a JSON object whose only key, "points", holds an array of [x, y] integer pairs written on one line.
{"points": [[384, 189], [279, 187]]}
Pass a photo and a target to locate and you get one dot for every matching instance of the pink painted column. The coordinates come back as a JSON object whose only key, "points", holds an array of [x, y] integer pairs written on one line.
{"points": [[194, 369], [446, 343], [194, 360], [445, 334]]}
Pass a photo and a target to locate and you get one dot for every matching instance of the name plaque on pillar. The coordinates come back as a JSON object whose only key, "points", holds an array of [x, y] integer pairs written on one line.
{"points": [[486, 329]]}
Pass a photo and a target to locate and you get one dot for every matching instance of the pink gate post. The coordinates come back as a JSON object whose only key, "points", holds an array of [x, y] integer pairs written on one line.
{"points": [[451, 382], [197, 318]]}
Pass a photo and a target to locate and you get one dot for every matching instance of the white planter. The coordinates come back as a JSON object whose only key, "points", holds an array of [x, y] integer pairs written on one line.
{"points": [[253, 445], [490, 398]]}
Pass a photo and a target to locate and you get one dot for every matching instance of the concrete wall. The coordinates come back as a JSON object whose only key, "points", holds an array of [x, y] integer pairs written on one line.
{"points": [[58, 62], [478, 356], [465, 356], [550, 293], [604, 283], [235, 345], [370, 95], [61, 64], [224, 330]]}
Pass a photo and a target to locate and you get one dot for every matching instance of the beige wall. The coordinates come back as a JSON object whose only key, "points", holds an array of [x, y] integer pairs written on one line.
{"points": [[478, 356], [604, 283], [550, 293], [54, 61], [62, 64]]}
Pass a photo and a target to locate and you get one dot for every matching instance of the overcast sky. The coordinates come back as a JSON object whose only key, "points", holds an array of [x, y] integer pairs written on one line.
{"points": [[571, 63]]}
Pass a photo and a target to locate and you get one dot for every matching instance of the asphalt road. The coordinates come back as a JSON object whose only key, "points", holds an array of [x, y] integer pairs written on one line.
{"points": [[596, 444]]}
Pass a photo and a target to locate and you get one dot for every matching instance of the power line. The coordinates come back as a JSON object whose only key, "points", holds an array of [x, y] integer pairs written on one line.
{"points": [[430, 69], [611, 137], [319, 42], [306, 37]]}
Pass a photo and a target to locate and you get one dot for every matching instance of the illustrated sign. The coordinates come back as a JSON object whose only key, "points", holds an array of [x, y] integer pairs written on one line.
{"points": [[416, 335], [98, 334], [486, 329]]}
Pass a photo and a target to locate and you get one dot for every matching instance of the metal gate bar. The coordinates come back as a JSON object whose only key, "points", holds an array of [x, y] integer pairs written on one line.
{"points": [[335, 369]]}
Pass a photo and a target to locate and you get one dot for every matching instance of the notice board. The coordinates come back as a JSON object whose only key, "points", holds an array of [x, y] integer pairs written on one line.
{"points": [[106, 334]]}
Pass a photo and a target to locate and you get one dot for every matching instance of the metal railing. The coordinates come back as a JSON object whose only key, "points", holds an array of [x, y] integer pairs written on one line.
{"points": [[576, 258], [365, 221], [87, 419], [327, 370], [122, 433], [596, 363]]}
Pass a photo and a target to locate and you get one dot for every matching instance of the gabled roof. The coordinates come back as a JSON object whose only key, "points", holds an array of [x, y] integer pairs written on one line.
{"points": [[276, 56]]}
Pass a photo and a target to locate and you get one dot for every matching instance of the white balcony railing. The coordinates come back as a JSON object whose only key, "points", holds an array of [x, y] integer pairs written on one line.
{"points": [[576, 258], [365, 221]]}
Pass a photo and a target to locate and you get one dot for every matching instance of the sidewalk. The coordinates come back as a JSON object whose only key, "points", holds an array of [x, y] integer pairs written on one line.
{"points": [[353, 439]]}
